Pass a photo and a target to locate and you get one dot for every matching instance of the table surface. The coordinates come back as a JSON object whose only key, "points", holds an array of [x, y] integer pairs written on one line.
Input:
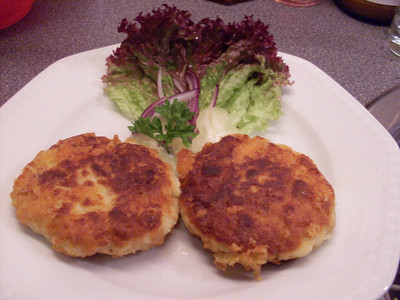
{"points": [[352, 52]]}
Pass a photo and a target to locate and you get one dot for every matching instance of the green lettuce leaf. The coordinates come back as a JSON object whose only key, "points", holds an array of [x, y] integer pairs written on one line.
{"points": [[250, 93]]}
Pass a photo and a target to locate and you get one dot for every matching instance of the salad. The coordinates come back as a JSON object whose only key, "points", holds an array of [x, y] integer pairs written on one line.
{"points": [[167, 57]]}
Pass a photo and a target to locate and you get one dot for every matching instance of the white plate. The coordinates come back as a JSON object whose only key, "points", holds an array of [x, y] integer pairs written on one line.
{"points": [[321, 119]]}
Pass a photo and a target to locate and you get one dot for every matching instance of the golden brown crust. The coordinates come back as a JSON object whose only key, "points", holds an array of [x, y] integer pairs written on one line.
{"points": [[90, 194], [253, 202]]}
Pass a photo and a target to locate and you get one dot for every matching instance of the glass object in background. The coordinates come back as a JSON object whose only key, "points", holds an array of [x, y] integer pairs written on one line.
{"points": [[299, 3], [386, 109], [394, 33]]}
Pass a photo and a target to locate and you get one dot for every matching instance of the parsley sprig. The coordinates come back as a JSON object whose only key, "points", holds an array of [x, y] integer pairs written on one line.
{"points": [[176, 115]]}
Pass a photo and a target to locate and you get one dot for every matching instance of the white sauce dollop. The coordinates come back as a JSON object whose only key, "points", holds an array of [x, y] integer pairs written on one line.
{"points": [[213, 124]]}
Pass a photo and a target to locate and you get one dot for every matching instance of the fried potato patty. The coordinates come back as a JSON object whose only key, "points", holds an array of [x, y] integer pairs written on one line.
{"points": [[252, 202], [90, 194]]}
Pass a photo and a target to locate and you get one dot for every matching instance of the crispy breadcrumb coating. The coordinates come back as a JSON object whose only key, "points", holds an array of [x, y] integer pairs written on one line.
{"points": [[252, 202], [90, 194]]}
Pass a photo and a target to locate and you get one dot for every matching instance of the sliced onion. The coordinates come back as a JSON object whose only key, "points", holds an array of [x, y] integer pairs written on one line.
{"points": [[149, 111], [192, 80], [178, 85], [190, 97], [187, 97], [215, 96], [159, 84]]}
